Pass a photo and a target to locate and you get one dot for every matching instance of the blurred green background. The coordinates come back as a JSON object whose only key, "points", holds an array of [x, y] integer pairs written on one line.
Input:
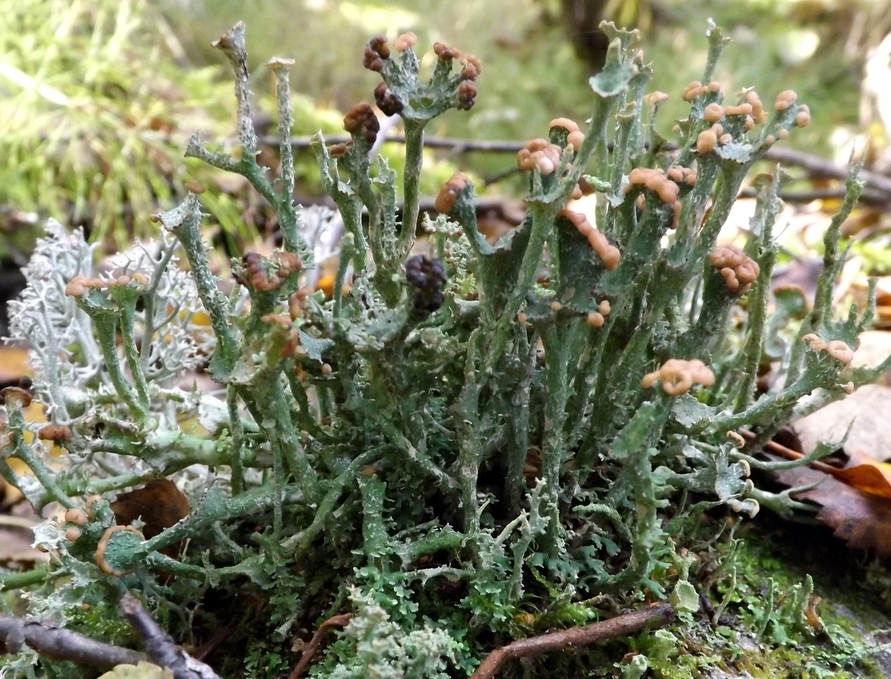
{"points": [[98, 97]]}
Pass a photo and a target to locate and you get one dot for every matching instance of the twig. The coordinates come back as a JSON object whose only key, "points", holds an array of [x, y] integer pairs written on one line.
{"points": [[160, 646], [630, 623], [825, 168], [334, 621], [814, 165], [790, 454], [459, 145], [57, 643]]}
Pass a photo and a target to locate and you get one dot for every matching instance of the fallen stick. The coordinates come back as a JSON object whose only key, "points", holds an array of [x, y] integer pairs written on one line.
{"points": [[58, 643], [313, 645], [630, 623], [160, 646]]}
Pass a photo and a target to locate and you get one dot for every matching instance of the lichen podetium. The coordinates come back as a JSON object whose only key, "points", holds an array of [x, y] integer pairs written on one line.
{"points": [[464, 442]]}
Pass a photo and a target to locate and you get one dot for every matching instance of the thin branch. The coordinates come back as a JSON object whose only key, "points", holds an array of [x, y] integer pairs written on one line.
{"points": [[313, 645], [457, 145], [785, 452], [630, 623], [160, 646], [57, 643], [814, 165]]}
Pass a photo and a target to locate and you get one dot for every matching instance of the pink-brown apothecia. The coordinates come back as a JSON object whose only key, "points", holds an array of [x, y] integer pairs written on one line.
{"points": [[448, 194], [445, 52], [609, 254], [838, 349], [541, 154], [678, 376], [265, 274], [292, 345], [737, 268], [54, 432]]}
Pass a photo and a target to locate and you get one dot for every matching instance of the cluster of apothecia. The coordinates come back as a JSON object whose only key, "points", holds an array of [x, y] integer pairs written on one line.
{"points": [[678, 376], [377, 51], [736, 267], [360, 121], [609, 254], [596, 319], [838, 349], [268, 273], [292, 344], [78, 285], [543, 155], [427, 276], [449, 191], [750, 111]]}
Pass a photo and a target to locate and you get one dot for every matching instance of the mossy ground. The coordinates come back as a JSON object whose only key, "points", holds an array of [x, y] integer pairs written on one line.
{"points": [[758, 636]]}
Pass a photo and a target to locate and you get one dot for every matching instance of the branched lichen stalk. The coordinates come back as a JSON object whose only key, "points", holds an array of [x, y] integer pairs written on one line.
{"points": [[287, 212], [184, 222], [518, 425], [106, 325], [269, 396], [131, 353], [148, 300], [41, 471], [303, 541], [553, 445], [237, 433], [232, 44], [414, 156]]}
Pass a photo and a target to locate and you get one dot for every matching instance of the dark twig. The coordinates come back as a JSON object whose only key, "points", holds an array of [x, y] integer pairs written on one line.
{"points": [[57, 643], [813, 165], [828, 193], [160, 646], [630, 623], [448, 143], [817, 166], [313, 645]]}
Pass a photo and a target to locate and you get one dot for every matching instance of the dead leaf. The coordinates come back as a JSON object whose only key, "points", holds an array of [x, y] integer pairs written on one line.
{"points": [[861, 519], [16, 539], [159, 504], [865, 474], [854, 500], [869, 408]]}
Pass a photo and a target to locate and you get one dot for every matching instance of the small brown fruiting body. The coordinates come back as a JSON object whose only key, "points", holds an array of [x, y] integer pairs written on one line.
{"points": [[386, 101], [361, 122], [736, 267], [678, 376], [54, 432], [609, 254], [448, 194], [376, 52]]}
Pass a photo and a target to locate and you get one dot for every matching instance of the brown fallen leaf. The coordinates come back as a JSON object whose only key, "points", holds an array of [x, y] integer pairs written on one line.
{"points": [[867, 411], [865, 475], [159, 504], [863, 520], [853, 500], [16, 539]]}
